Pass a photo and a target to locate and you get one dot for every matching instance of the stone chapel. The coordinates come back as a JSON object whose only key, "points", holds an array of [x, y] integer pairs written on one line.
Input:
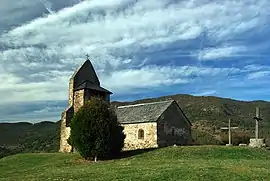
{"points": [[147, 125]]}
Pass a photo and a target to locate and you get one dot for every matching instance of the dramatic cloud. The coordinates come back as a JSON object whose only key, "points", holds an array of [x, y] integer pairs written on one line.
{"points": [[199, 47], [221, 52]]}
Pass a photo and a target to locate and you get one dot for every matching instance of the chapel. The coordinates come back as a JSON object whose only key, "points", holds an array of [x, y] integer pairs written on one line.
{"points": [[146, 125]]}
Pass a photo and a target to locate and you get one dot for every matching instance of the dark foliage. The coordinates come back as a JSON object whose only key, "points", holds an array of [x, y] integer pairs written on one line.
{"points": [[4, 152], [267, 142], [204, 138], [237, 138], [95, 131]]}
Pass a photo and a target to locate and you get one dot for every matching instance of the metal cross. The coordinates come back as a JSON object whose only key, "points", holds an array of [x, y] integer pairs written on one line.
{"points": [[229, 128], [87, 56], [257, 119]]}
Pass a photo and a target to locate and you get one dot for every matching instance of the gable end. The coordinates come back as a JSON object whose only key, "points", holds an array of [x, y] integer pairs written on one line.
{"points": [[186, 119]]}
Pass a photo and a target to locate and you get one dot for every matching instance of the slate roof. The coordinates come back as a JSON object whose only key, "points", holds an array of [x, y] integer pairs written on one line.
{"points": [[141, 113], [85, 77], [85, 72], [91, 86]]}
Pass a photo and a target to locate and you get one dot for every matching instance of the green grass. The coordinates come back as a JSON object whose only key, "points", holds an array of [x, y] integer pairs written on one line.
{"points": [[172, 163]]}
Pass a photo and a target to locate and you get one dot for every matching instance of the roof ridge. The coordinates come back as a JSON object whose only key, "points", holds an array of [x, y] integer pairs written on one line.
{"points": [[142, 104], [78, 68]]}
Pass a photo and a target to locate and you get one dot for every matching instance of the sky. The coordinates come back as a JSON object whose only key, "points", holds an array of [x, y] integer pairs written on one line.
{"points": [[139, 48]]}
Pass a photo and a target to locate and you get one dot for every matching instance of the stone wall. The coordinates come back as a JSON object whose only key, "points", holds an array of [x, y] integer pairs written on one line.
{"points": [[78, 100], [172, 128], [256, 143], [88, 94], [64, 134], [70, 91], [132, 142]]}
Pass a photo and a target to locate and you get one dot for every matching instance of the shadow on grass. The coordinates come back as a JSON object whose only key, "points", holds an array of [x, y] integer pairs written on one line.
{"points": [[4, 152], [126, 154]]}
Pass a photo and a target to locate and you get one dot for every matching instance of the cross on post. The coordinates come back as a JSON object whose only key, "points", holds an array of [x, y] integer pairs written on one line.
{"points": [[257, 119], [229, 128], [87, 56]]}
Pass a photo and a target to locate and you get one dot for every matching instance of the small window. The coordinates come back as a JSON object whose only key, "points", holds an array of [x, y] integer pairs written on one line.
{"points": [[173, 131], [162, 117], [141, 134]]}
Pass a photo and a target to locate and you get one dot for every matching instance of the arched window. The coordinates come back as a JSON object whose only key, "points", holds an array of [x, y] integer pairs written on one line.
{"points": [[173, 131], [141, 134]]}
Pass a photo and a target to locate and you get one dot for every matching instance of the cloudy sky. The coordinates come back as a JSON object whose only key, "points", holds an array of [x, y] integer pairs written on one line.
{"points": [[139, 48]]}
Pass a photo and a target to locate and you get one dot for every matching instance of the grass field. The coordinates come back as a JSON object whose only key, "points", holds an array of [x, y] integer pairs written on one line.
{"points": [[172, 163]]}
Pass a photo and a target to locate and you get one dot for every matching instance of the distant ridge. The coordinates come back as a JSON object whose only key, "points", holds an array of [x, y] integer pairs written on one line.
{"points": [[206, 113]]}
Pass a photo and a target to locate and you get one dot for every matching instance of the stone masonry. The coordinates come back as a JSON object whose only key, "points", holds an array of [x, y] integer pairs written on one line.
{"points": [[161, 123], [78, 99], [132, 130], [257, 143], [70, 92], [171, 130], [65, 130]]}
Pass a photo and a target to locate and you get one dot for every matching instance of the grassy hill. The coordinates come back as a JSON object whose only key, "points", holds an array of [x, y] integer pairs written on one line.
{"points": [[172, 163], [207, 114]]}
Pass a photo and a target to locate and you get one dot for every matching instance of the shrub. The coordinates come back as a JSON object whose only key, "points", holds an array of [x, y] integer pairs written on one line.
{"points": [[203, 138], [267, 142], [95, 131], [5, 152], [237, 138]]}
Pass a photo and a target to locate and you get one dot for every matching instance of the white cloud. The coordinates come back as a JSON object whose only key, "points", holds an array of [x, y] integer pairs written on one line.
{"points": [[49, 48], [256, 67], [221, 52], [206, 93], [55, 86], [259, 74], [143, 23]]}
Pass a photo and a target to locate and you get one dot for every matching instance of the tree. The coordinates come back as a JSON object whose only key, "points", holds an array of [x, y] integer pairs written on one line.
{"points": [[95, 131]]}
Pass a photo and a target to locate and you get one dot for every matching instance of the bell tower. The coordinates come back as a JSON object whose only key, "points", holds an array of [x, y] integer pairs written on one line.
{"points": [[83, 85]]}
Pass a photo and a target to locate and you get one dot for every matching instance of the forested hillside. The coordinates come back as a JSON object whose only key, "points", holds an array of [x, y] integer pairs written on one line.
{"points": [[27, 137], [206, 113]]}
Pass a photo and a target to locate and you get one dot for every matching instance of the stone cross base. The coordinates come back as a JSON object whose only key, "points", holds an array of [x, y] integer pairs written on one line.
{"points": [[256, 143], [229, 145]]}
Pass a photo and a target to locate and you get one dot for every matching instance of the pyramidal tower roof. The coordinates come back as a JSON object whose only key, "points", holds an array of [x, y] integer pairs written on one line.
{"points": [[85, 77], [85, 73]]}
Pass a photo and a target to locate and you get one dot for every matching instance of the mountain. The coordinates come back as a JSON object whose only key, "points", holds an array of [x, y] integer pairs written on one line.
{"points": [[27, 137], [206, 113]]}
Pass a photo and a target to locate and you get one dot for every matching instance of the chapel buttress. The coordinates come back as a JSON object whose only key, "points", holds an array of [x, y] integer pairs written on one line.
{"points": [[83, 85]]}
